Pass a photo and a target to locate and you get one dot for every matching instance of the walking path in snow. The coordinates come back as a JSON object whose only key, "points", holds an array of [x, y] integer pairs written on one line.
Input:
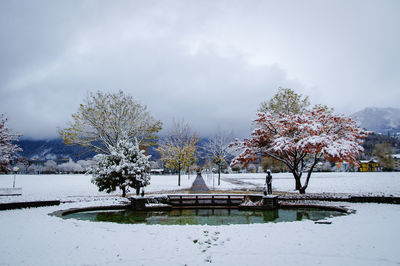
{"points": [[240, 183], [199, 185]]}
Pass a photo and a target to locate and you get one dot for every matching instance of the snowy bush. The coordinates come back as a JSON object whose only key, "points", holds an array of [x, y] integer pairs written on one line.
{"points": [[50, 167], [125, 167], [70, 167], [86, 164], [34, 169]]}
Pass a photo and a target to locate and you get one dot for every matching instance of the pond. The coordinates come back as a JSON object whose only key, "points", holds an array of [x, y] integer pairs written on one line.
{"points": [[204, 216]]}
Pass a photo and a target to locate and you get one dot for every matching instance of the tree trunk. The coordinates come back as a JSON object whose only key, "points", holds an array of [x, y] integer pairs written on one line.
{"points": [[298, 182], [123, 191], [179, 176], [302, 190], [138, 186], [297, 178], [219, 174]]}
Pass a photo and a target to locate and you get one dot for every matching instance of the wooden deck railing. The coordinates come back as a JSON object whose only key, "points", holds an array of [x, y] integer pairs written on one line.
{"points": [[206, 200]]}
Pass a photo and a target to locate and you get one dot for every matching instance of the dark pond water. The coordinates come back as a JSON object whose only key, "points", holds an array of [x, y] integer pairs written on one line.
{"points": [[204, 216]]}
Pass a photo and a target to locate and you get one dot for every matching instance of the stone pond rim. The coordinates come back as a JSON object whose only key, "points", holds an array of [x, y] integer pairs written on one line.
{"points": [[166, 207], [281, 198]]}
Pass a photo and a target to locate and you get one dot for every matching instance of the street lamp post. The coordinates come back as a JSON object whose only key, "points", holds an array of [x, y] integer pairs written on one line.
{"points": [[15, 169]]}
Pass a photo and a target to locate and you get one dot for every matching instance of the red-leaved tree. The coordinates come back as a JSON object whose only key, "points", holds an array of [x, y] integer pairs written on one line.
{"points": [[7, 148], [300, 141]]}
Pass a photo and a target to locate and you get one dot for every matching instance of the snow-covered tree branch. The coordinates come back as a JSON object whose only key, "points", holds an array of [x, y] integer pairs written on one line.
{"points": [[104, 118], [7, 148], [217, 148], [125, 167], [300, 140]]}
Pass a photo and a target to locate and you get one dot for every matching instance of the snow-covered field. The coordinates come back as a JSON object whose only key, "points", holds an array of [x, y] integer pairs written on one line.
{"points": [[66, 187], [32, 237], [380, 183]]}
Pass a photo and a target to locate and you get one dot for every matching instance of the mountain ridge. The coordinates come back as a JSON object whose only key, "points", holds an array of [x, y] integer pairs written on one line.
{"points": [[379, 120], [384, 121]]}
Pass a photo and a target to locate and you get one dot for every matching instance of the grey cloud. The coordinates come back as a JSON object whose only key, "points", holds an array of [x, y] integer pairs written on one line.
{"points": [[205, 89], [209, 62]]}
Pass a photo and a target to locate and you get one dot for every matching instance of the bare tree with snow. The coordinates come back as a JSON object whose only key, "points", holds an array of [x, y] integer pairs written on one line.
{"points": [[218, 150]]}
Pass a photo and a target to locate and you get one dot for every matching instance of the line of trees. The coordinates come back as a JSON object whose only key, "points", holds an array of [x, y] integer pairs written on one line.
{"points": [[286, 131], [51, 167]]}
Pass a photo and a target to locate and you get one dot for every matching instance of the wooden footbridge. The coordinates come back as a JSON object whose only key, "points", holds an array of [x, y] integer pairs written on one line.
{"points": [[209, 200]]}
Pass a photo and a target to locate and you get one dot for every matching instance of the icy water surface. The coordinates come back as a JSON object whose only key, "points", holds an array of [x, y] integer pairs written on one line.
{"points": [[204, 216]]}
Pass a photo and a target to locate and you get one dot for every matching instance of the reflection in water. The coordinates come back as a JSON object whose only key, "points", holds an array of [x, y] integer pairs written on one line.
{"points": [[301, 214], [204, 216]]}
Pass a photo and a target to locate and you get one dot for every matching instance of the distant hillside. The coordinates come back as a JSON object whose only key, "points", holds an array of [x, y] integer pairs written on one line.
{"points": [[51, 149], [373, 139], [379, 120]]}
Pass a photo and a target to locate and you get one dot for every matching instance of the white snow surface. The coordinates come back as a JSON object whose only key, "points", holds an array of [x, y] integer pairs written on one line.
{"points": [[66, 187], [32, 237], [379, 183]]}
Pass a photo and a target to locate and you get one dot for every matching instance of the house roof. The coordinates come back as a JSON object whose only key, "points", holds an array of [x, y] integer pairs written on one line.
{"points": [[369, 161]]}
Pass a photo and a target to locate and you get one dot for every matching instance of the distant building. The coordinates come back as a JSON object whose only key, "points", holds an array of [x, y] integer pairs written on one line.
{"points": [[341, 167], [159, 171], [369, 166], [38, 162], [396, 160]]}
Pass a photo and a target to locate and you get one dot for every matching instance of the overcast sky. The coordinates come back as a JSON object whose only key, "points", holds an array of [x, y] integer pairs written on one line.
{"points": [[208, 62]]}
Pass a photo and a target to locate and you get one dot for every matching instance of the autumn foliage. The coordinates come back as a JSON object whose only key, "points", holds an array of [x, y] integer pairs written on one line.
{"points": [[300, 141], [105, 118], [178, 149]]}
